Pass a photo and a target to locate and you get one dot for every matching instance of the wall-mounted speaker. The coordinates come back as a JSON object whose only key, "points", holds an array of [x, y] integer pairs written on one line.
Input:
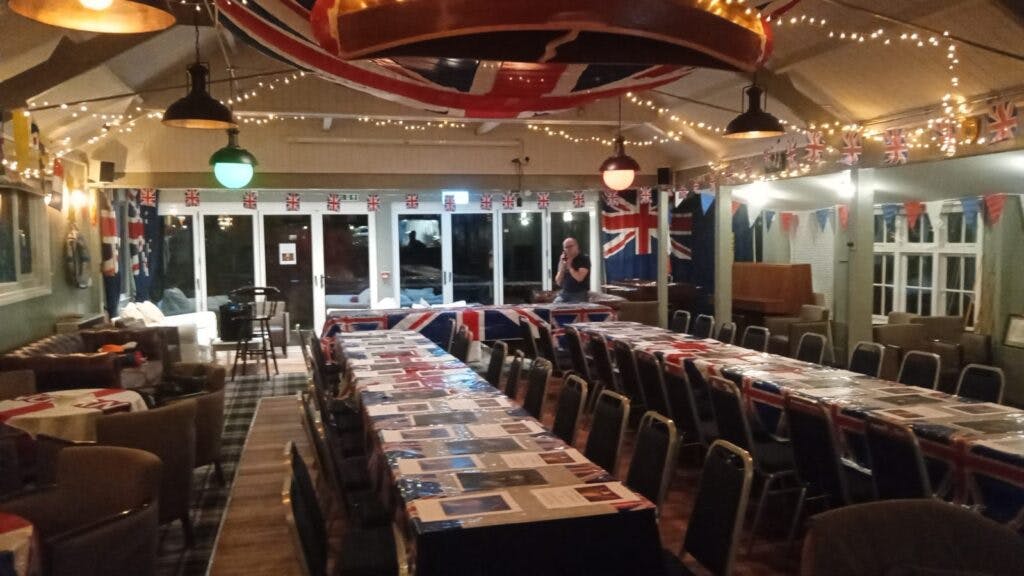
{"points": [[664, 176], [106, 172]]}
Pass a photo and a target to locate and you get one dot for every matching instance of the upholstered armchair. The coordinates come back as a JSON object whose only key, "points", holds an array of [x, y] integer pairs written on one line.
{"points": [[787, 330]]}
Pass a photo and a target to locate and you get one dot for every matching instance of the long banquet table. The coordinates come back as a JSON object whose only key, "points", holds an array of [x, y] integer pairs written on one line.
{"points": [[479, 486], [977, 446]]}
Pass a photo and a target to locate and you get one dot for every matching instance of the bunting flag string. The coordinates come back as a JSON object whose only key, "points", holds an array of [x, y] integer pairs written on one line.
{"points": [[889, 214], [508, 200], [789, 221], [752, 214], [823, 215], [1002, 122], [645, 196], [291, 202], [543, 200], [333, 202], [372, 202], [249, 200], [486, 201], [815, 147], [843, 212], [994, 207], [578, 199], [934, 211], [852, 148], [970, 205], [913, 210], [896, 151], [191, 197], [449, 203], [412, 201], [769, 215], [706, 200]]}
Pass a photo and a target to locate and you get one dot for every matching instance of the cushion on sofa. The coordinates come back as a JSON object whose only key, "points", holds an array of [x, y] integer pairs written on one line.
{"points": [[150, 313]]}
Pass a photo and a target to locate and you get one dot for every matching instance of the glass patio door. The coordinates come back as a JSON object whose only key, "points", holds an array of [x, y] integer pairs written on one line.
{"points": [[288, 263], [346, 275], [523, 255], [472, 257], [228, 262], [420, 260]]}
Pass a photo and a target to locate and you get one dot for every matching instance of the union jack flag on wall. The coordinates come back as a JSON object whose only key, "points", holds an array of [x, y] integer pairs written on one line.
{"points": [[485, 201], [147, 197], [852, 148], [291, 202], [1002, 122], [896, 151], [449, 203], [191, 197], [578, 199], [543, 200], [508, 200], [412, 200], [815, 147], [249, 200], [333, 202], [372, 202]]}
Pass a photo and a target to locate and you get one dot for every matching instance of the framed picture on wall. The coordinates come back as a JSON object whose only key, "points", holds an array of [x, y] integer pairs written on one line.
{"points": [[1014, 331]]}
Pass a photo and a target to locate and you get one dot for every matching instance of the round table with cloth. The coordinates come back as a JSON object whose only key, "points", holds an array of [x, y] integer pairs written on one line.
{"points": [[17, 545], [68, 414]]}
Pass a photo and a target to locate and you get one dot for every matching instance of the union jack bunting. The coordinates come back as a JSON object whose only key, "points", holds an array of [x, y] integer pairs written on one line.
{"points": [[851, 148], [896, 151], [485, 201], [449, 203], [578, 199], [333, 202], [191, 197], [249, 200], [291, 202], [1002, 122], [412, 200], [372, 202], [645, 195], [815, 147], [452, 87], [508, 200], [147, 196], [543, 199], [611, 197]]}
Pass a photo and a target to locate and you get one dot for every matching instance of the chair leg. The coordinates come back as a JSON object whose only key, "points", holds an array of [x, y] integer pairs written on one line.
{"points": [[760, 510], [239, 351], [186, 528], [270, 345], [797, 515]]}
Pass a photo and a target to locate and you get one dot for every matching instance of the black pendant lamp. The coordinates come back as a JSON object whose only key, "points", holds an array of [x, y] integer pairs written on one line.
{"points": [[754, 122], [619, 170], [198, 109], [108, 16]]}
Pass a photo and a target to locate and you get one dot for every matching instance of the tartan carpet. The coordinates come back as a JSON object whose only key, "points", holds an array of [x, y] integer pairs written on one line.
{"points": [[209, 498]]}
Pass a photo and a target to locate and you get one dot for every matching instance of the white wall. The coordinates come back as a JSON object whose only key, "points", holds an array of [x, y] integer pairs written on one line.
{"points": [[812, 245]]}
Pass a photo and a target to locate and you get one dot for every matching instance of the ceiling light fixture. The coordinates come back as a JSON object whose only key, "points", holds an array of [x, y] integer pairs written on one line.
{"points": [[619, 170], [198, 109], [233, 166], [754, 122], [109, 16]]}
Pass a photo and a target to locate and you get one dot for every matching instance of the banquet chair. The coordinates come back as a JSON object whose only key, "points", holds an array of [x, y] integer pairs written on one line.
{"points": [[652, 383], [821, 472], [727, 332], [920, 369], [773, 460], [715, 524], [628, 378], [654, 457], [546, 348], [313, 428], [867, 359], [680, 322], [496, 363], [515, 370], [528, 340], [14, 383], [607, 428], [811, 347], [209, 413], [703, 326], [755, 338], [695, 431], [170, 433], [909, 537], [461, 343], [571, 400], [101, 515], [578, 358], [537, 387], [604, 372], [338, 412], [979, 382], [898, 469]]}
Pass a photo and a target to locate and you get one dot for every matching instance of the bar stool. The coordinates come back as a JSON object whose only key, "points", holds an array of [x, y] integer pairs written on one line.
{"points": [[263, 302]]}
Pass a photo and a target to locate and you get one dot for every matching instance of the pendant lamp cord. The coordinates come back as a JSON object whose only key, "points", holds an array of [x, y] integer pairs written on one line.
{"points": [[195, 24]]}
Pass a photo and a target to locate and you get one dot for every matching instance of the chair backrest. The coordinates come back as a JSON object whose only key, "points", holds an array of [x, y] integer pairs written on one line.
{"points": [[305, 519], [652, 383], [628, 378], [499, 350], [14, 383], [210, 423], [576, 354], [170, 433], [526, 335], [867, 358], [571, 400], [607, 427], [265, 299], [605, 374], [537, 387], [703, 326], [460, 346], [730, 416], [515, 369], [727, 332], [980, 382], [816, 451], [755, 338], [684, 407], [314, 428], [654, 457], [545, 343], [451, 326], [811, 347], [680, 322], [716, 523], [897, 465], [920, 369]]}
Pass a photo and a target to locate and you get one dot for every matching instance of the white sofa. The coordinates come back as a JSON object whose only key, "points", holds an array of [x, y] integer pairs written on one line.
{"points": [[196, 330]]}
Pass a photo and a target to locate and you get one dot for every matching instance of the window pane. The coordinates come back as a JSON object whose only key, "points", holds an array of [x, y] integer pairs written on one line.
{"points": [[926, 271], [878, 269], [229, 256], [952, 304], [954, 227], [472, 258], [877, 302], [969, 270], [346, 260], [926, 303], [913, 271], [419, 259], [175, 285], [879, 228], [577, 226], [970, 230], [7, 271], [25, 231], [890, 269], [912, 301], [968, 308], [521, 246], [914, 234], [888, 300], [953, 276], [925, 224]]}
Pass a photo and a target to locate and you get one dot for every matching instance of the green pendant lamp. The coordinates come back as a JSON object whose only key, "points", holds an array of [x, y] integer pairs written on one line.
{"points": [[233, 166]]}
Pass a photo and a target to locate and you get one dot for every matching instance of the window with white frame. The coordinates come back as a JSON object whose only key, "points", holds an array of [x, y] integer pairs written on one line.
{"points": [[929, 270], [24, 242]]}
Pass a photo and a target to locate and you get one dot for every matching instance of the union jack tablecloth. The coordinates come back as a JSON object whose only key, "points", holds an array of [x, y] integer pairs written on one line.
{"points": [[68, 414], [464, 465], [980, 445], [18, 537]]}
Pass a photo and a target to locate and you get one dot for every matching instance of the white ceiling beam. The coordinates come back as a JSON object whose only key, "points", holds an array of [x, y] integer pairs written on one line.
{"points": [[433, 118], [486, 127]]}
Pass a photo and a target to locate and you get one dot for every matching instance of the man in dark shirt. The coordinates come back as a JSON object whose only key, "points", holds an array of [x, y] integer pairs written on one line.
{"points": [[573, 273]]}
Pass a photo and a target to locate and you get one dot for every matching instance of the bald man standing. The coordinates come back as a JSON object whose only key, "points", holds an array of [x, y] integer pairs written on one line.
{"points": [[573, 273]]}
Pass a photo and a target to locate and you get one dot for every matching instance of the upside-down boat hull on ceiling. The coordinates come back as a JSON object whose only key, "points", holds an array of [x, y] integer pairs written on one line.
{"points": [[455, 87]]}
